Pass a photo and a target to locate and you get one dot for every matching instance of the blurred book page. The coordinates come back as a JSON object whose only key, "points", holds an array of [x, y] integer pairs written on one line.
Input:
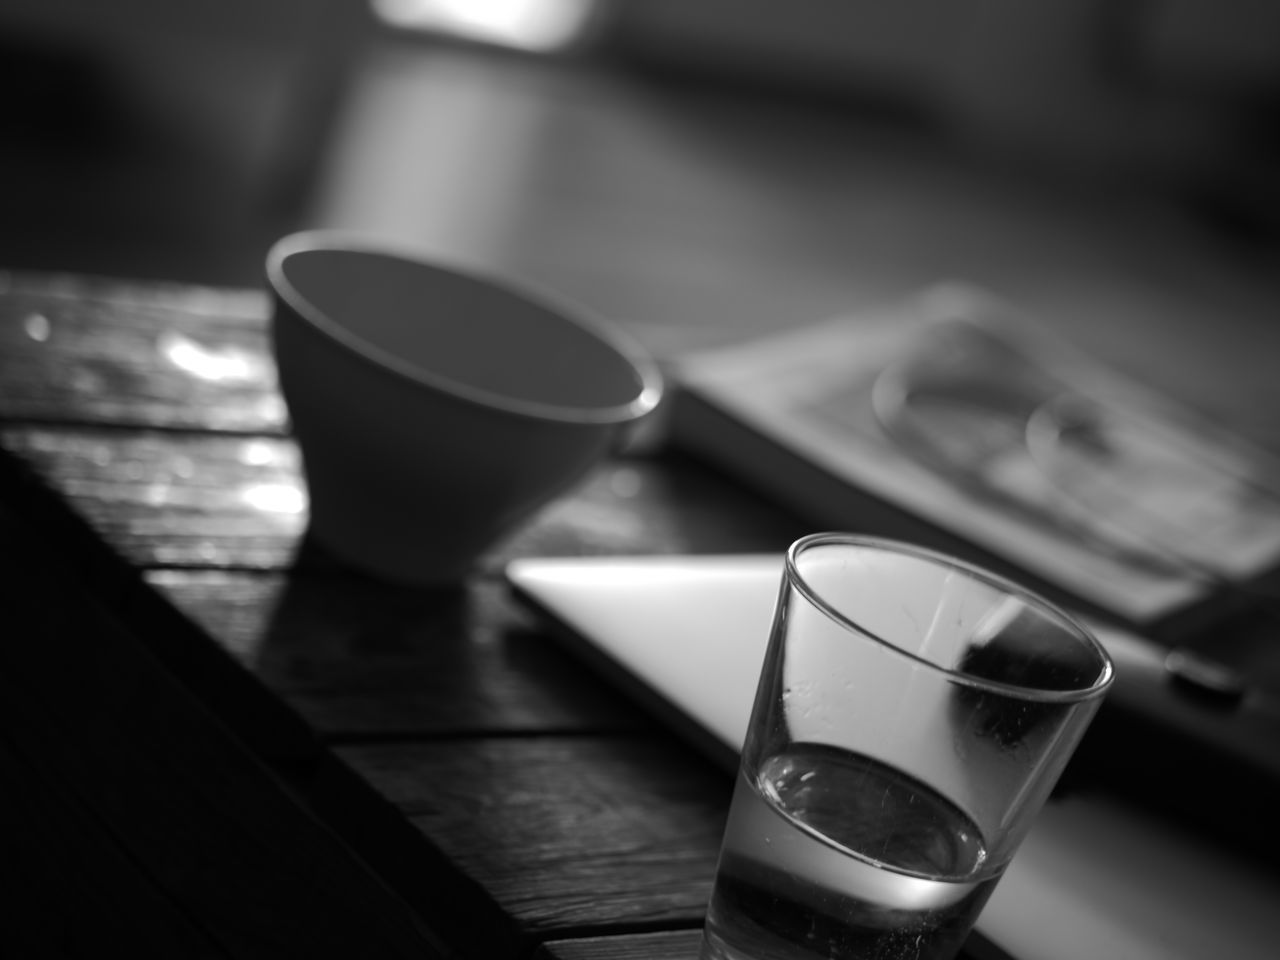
{"points": [[955, 409]]}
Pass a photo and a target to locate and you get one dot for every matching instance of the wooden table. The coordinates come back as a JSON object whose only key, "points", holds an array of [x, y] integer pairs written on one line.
{"points": [[221, 743], [216, 741]]}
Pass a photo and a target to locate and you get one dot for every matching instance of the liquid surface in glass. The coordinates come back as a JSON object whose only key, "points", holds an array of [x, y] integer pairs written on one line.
{"points": [[831, 854]]}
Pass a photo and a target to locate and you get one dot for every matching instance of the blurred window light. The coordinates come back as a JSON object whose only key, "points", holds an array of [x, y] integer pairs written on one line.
{"points": [[538, 26]]}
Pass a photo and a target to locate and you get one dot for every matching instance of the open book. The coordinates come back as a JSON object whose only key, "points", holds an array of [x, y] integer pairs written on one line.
{"points": [[951, 419]]}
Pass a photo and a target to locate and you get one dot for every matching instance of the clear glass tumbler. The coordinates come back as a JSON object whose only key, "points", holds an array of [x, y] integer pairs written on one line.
{"points": [[913, 714]]}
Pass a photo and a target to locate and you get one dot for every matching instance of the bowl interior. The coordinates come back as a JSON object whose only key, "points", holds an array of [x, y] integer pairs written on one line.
{"points": [[458, 332]]}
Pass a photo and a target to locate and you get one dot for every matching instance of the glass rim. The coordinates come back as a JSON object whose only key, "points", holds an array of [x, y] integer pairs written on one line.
{"points": [[1072, 624]]}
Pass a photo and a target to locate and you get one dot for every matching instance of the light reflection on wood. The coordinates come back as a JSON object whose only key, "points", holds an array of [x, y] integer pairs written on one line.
{"points": [[104, 352], [164, 498]]}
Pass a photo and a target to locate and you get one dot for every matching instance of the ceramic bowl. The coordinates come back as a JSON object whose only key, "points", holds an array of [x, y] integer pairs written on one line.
{"points": [[437, 409]]}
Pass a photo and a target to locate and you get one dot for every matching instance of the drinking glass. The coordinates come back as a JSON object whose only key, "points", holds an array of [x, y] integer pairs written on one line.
{"points": [[913, 714]]}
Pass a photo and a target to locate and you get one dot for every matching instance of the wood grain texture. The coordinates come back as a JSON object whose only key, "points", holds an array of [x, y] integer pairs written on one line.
{"points": [[147, 355], [678, 945], [202, 500], [166, 499], [362, 658], [153, 800], [89, 565], [567, 835], [667, 945]]}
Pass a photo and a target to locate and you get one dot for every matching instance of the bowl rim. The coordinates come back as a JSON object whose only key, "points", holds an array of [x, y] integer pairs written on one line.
{"points": [[650, 382]]}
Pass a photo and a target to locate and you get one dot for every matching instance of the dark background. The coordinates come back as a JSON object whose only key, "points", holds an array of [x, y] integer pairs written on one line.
{"points": [[155, 138]]}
